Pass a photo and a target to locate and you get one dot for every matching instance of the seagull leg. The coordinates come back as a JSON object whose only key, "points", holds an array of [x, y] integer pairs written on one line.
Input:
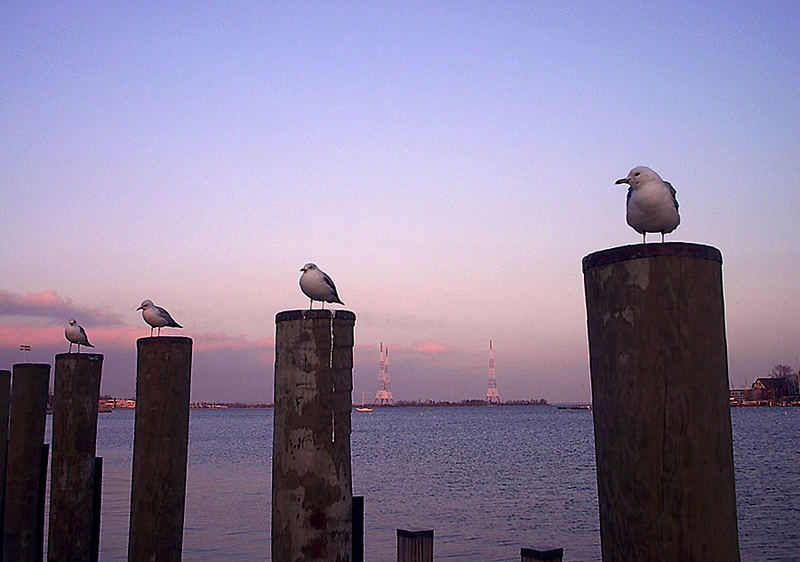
{"points": [[70, 347], [323, 305], [310, 304], [151, 331], [662, 237], [644, 236]]}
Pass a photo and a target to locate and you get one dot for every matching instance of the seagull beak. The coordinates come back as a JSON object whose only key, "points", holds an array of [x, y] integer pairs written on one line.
{"points": [[140, 308], [622, 180]]}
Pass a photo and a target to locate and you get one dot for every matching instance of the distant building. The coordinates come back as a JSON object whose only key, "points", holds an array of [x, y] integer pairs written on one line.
{"points": [[764, 391], [771, 389]]}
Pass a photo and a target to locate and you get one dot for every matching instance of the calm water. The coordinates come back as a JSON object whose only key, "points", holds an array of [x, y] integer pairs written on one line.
{"points": [[487, 480]]}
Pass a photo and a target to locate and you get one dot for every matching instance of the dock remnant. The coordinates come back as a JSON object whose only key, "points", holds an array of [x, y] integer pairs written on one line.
{"points": [[27, 463], [533, 555], [160, 446], [414, 546], [72, 473], [311, 471], [659, 371]]}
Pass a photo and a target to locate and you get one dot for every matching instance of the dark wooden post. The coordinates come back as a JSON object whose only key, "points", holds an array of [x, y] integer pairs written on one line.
{"points": [[358, 528], [658, 356], [533, 555], [75, 395], [5, 396], [97, 500], [414, 546], [30, 386], [160, 445], [311, 473]]}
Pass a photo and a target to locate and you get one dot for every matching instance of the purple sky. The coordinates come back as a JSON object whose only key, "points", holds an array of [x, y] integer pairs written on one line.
{"points": [[448, 164]]}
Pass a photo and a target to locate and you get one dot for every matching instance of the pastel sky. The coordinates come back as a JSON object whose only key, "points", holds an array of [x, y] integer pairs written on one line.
{"points": [[449, 164]]}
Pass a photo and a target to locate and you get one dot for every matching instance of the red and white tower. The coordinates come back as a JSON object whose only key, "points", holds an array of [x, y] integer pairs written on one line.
{"points": [[384, 395], [492, 396]]}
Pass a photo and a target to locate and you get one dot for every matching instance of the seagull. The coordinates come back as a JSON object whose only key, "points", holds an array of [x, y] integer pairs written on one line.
{"points": [[652, 205], [317, 286], [76, 334], [156, 316]]}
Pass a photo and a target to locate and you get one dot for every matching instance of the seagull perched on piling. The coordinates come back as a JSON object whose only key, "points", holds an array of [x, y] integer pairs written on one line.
{"points": [[317, 286], [76, 334], [652, 205], [156, 316]]}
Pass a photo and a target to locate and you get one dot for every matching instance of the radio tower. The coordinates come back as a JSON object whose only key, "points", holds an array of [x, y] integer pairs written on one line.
{"points": [[492, 396], [384, 395]]}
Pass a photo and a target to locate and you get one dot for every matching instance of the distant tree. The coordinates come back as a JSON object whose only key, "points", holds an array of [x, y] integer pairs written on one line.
{"points": [[786, 373]]}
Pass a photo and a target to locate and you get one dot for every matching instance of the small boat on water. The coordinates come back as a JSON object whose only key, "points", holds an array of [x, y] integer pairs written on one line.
{"points": [[363, 407]]}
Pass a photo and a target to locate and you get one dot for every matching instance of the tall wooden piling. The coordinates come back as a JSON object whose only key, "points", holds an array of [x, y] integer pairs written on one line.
{"points": [[72, 472], [160, 445], [311, 471], [662, 426], [30, 384], [5, 396]]}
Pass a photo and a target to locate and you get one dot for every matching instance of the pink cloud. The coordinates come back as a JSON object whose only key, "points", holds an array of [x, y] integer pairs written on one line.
{"points": [[430, 347], [220, 341], [48, 304]]}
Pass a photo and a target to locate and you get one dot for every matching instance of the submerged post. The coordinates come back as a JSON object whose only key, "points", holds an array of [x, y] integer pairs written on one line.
{"points": [[311, 472], [658, 356], [72, 473], [534, 555], [30, 386], [414, 546], [160, 445]]}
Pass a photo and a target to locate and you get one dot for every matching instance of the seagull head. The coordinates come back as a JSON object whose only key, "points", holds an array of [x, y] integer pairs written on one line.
{"points": [[638, 176], [72, 322], [145, 305], [308, 266]]}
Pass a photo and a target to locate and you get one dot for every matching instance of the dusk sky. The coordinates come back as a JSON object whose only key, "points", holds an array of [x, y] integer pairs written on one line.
{"points": [[448, 164]]}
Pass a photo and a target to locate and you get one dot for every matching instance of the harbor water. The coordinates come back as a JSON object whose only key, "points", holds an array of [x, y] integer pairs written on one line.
{"points": [[488, 480]]}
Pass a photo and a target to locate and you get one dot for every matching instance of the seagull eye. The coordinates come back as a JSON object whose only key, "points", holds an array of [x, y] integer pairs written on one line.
{"points": [[637, 173]]}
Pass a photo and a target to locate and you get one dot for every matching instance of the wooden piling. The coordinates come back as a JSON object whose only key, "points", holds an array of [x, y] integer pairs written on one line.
{"points": [[358, 528], [72, 472], [160, 445], [414, 546], [533, 555], [30, 384], [658, 358], [311, 470], [5, 396]]}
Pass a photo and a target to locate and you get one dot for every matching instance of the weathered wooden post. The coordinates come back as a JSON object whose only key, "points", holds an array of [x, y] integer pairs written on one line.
{"points": [[5, 396], [30, 384], [72, 472], [414, 546], [533, 555], [311, 473], [658, 356], [358, 528], [160, 445]]}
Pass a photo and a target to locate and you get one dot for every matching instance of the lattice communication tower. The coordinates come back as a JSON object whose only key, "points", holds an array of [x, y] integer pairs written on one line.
{"points": [[492, 396], [384, 395]]}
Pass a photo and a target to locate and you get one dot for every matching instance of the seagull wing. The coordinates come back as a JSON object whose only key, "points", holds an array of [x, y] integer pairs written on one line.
{"points": [[329, 283], [84, 337], [674, 194], [170, 320]]}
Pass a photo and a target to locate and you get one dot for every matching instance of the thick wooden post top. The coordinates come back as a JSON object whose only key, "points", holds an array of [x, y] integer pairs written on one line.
{"points": [[288, 315], [652, 250]]}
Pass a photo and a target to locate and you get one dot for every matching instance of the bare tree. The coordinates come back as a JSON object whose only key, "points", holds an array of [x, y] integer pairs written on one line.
{"points": [[786, 373]]}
